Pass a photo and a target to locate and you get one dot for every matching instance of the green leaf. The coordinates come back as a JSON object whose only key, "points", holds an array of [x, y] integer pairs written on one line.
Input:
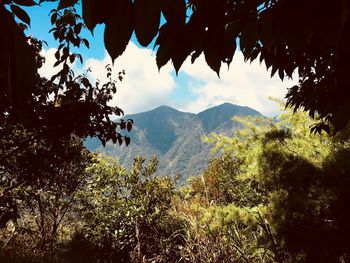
{"points": [[20, 13], [66, 3], [174, 11], [147, 20], [25, 2], [119, 29]]}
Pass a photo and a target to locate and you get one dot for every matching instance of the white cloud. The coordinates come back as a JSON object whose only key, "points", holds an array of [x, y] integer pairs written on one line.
{"points": [[143, 87], [48, 70], [243, 84]]}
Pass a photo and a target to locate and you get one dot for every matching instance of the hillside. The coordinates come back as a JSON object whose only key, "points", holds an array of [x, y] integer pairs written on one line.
{"points": [[174, 137]]}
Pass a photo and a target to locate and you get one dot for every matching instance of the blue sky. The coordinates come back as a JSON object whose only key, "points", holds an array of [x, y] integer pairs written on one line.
{"points": [[144, 88]]}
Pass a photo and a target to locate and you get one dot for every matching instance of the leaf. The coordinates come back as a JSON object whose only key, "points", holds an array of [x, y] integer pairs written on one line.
{"points": [[196, 55], [119, 29], [281, 74], [19, 65], [57, 63], [127, 141], [20, 13], [174, 11], [86, 42], [213, 61], [129, 126], [25, 2], [90, 14], [72, 58], [164, 53], [248, 39], [53, 18], [66, 3], [147, 20], [57, 55]]}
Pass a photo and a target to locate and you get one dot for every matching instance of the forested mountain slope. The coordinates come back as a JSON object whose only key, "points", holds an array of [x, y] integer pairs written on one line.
{"points": [[174, 137]]}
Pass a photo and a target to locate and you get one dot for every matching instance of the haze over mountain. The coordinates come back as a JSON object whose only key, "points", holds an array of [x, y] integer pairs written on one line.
{"points": [[174, 137]]}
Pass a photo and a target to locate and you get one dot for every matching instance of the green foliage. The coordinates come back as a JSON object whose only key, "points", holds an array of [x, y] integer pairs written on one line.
{"points": [[303, 176], [38, 190], [126, 214]]}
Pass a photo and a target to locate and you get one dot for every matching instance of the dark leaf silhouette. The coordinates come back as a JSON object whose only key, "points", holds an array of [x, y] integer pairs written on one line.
{"points": [[25, 2], [119, 30], [147, 19], [20, 13], [66, 3]]}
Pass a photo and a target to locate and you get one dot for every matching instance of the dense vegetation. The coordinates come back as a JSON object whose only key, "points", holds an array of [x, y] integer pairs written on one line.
{"points": [[276, 193]]}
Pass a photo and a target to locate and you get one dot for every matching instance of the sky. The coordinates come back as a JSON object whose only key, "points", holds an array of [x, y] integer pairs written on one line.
{"points": [[195, 89]]}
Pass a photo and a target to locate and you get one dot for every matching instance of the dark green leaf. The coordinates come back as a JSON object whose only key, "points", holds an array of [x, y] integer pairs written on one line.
{"points": [[20, 13], [66, 3], [147, 19]]}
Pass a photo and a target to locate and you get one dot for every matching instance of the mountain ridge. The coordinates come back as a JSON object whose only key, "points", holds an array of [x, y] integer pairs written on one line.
{"points": [[174, 137]]}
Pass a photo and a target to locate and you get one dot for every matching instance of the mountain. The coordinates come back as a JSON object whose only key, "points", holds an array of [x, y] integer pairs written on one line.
{"points": [[174, 137]]}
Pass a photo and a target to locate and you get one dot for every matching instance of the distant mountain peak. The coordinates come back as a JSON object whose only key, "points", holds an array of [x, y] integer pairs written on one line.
{"points": [[215, 116], [165, 109], [175, 137]]}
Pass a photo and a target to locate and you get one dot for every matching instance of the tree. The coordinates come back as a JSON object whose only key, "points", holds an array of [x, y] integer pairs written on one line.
{"points": [[40, 184], [126, 214], [305, 178], [308, 37], [66, 103], [287, 35]]}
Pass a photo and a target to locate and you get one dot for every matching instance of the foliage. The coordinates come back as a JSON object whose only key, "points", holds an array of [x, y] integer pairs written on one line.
{"points": [[64, 104], [308, 37], [304, 177], [38, 187], [126, 214], [220, 184]]}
